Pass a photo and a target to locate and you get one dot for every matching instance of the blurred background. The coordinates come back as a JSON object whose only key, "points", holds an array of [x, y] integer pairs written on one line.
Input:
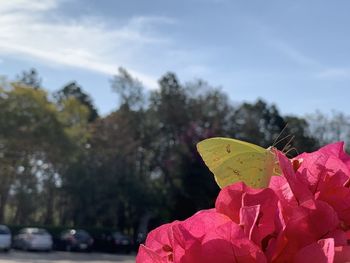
{"points": [[102, 102]]}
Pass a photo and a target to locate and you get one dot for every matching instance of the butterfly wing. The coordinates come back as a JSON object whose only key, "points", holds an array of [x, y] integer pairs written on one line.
{"points": [[232, 160], [254, 169]]}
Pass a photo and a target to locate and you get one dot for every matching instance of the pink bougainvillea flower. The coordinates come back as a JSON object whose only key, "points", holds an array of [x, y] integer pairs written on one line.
{"points": [[303, 215], [299, 189], [259, 213], [161, 241], [226, 243], [255, 210], [342, 254], [306, 226], [327, 175], [328, 161], [146, 255], [206, 237], [337, 149], [321, 252]]}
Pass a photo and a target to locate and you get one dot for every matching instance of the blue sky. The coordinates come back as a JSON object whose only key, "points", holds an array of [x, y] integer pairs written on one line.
{"points": [[292, 53]]}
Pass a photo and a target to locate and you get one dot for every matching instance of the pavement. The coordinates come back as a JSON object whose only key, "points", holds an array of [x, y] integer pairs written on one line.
{"points": [[63, 257]]}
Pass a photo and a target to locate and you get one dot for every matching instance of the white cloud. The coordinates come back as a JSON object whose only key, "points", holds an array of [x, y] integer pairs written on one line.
{"points": [[20, 5], [27, 30]]}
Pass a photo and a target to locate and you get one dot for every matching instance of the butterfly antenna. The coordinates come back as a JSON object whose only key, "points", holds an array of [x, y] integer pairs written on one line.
{"points": [[291, 149], [288, 144], [276, 141], [282, 139]]}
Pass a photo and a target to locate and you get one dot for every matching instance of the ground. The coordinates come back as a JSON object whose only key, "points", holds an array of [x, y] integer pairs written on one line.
{"points": [[63, 257]]}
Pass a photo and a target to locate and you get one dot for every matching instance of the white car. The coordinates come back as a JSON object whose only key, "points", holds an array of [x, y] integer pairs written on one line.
{"points": [[5, 238], [33, 239]]}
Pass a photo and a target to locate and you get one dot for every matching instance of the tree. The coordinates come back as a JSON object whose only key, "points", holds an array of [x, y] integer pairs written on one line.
{"points": [[182, 116], [73, 90], [129, 89], [114, 156], [329, 128], [258, 123], [62, 164], [30, 133], [30, 78], [303, 140]]}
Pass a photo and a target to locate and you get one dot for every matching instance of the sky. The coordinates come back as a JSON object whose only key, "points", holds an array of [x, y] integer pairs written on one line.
{"points": [[292, 53]]}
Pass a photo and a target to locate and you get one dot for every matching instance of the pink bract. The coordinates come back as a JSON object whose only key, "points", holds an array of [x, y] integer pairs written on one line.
{"points": [[302, 216], [208, 236]]}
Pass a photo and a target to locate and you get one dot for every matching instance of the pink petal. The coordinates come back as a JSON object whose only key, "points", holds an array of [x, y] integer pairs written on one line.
{"points": [[229, 201], [276, 244], [307, 225], [339, 199], [280, 186], [204, 221], [301, 193], [227, 244], [216, 242], [327, 161], [339, 236], [239, 198], [320, 252], [146, 255], [336, 149], [267, 201], [161, 238], [249, 216], [342, 254]]}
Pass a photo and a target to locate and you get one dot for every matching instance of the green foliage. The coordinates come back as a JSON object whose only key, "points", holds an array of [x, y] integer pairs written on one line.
{"points": [[33, 145], [130, 90], [30, 78], [72, 91], [138, 166]]}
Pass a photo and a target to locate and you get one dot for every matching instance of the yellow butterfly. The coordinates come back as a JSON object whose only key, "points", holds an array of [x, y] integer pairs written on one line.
{"points": [[233, 160]]}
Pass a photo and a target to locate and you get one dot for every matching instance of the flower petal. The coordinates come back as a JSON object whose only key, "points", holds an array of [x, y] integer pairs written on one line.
{"points": [[146, 255], [320, 252]]}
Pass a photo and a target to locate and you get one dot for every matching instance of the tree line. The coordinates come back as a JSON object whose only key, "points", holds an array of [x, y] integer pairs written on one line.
{"points": [[63, 164]]}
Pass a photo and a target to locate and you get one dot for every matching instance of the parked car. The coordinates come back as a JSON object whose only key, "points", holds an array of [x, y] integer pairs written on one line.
{"points": [[5, 238], [33, 239], [75, 240], [114, 242]]}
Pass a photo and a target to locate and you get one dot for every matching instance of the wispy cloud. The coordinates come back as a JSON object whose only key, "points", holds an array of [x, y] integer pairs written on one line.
{"points": [[272, 39], [21, 5], [26, 30], [318, 68], [334, 73], [292, 53]]}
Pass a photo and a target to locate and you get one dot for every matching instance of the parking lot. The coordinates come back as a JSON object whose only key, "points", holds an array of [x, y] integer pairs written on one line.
{"points": [[63, 257]]}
